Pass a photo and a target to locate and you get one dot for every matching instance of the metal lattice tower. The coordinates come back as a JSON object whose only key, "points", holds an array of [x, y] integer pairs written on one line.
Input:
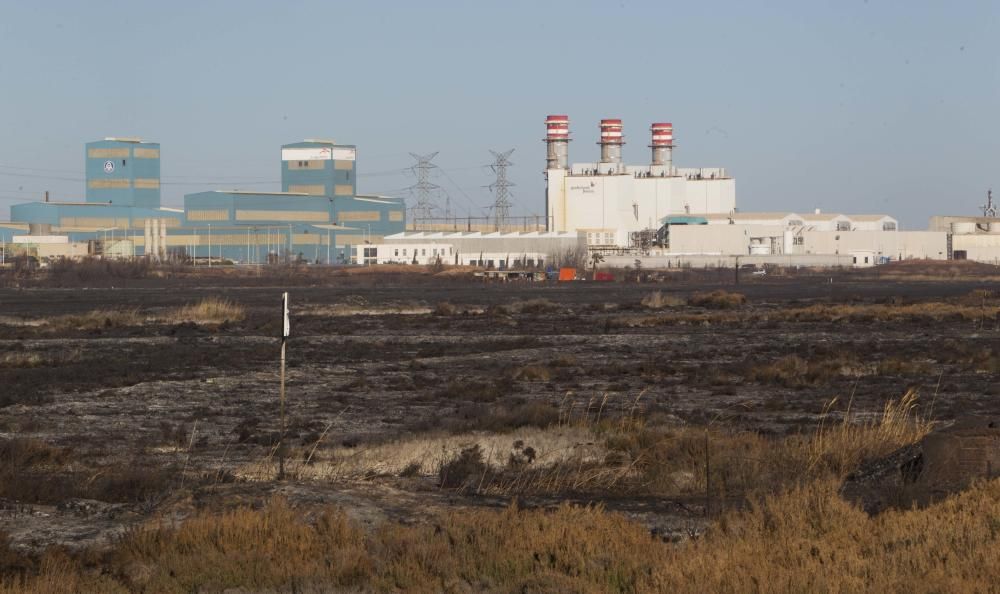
{"points": [[425, 206], [501, 205], [989, 209]]}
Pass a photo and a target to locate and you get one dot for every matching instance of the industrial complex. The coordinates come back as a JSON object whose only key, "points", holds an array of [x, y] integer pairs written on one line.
{"points": [[316, 217], [658, 213]]}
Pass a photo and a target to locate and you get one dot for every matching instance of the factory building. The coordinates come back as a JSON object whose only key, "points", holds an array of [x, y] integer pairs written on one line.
{"points": [[614, 204], [123, 172], [317, 216], [319, 168], [491, 250]]}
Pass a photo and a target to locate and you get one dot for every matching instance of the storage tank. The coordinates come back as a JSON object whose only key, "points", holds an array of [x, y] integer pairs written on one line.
{"points": [[963, 227], [760, 249], [993, 226]]}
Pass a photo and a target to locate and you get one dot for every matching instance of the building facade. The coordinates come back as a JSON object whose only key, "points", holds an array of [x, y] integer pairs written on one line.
{"points": [[123, 172]]}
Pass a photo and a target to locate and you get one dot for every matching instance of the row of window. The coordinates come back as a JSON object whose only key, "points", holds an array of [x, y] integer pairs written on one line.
{"points": [[599, 238], [423, 252]]}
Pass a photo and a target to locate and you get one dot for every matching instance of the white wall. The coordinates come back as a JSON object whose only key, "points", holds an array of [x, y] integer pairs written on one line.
{"points": [[981, 247], [898, 245], [622, 204]]}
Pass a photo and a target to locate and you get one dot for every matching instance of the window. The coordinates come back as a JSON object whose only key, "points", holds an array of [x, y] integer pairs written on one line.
{"points": [[404, 251], [396, 252], [795, 223], [855, 259], [423, 251], [843, 225], [888, 226], [798, 240], [866, 259], [123, 162]]}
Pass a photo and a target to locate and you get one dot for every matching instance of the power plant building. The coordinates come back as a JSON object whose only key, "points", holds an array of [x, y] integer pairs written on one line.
{"points": [[612, 203]]}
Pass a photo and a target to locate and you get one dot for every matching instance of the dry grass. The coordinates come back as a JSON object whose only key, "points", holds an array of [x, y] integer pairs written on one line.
{"points": [[984, 314], [657, 300], [95, 320], [31, 359], [210, 310], [717, 300], [794, 371], [425, 455], [804, 540]]}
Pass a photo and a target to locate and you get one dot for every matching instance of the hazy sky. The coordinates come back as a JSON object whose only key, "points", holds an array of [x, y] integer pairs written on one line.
{"points": [[843, 105]]}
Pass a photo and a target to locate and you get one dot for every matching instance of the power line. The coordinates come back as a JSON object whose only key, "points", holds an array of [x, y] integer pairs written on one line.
{"points": [[501, 188], [423, 188]]}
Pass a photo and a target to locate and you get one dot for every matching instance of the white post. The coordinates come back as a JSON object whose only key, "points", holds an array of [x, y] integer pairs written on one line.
{"points": [[210, 245], [285, 331]]}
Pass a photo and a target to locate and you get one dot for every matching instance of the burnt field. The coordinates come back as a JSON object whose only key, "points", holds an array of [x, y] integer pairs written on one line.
{"points": [[672, 403]]}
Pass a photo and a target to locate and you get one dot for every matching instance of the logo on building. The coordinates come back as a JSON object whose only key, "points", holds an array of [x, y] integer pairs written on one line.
{"points": [[109, 167]]}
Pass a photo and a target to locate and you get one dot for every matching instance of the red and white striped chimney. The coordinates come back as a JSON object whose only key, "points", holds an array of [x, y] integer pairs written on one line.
{"points": [[662, 144], [557, 142], [611, 141]]}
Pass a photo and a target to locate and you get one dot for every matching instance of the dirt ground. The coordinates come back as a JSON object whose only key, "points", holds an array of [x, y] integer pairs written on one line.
{"points": [[391, 378]]}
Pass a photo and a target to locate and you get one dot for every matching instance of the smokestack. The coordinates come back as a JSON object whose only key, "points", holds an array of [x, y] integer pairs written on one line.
{"points": [[663, 145], [611, 141], [557, 142]]}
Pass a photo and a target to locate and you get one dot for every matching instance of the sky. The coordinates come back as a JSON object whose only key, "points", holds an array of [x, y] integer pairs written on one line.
{"points": [[848, 106]]}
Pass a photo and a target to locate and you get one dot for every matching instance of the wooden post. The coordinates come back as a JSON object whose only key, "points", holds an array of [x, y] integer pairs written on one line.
{"points": [[285, 331], [708, 479]]}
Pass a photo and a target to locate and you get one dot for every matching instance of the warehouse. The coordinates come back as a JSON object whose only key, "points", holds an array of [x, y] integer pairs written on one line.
{"points": [[500, 250]]}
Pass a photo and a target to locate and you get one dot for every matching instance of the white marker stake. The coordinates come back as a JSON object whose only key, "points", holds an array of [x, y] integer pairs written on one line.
{"points": [[285, 331]]}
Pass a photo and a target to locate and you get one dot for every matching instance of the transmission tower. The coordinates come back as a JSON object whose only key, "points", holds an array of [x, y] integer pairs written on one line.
{"points": [[501, 205], [424, 207]]}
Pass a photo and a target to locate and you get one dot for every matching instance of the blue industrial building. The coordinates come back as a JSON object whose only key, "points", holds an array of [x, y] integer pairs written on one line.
{"points": [[123, 172], [317, 216]]}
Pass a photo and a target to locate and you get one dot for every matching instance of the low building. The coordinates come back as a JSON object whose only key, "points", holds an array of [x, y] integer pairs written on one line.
{"points": [[491, 250]]}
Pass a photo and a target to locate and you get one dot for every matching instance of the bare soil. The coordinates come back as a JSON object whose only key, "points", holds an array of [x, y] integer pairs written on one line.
{"points": [[110, 425]]}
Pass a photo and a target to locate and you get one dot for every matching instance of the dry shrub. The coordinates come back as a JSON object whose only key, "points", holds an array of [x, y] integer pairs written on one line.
{"points": [[537, 306], [657, 300], [794, 371], [444, 308], [903, 367], [717, 300], [210, 310], [31, 359], [96, 320], [22, 359], [914, 312], [532, 373], [463, 470]]}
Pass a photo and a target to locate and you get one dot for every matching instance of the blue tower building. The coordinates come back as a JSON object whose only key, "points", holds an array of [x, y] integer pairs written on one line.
{"points": [[123, 172], [319, 168]]}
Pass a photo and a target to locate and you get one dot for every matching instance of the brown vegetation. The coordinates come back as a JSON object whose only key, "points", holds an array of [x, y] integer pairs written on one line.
{"points": [[717, 300], [807, 539], [210, 310]]}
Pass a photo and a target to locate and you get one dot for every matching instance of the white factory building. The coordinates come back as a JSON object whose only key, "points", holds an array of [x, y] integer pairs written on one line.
{"points": [[610, 202], [490, 250]]}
